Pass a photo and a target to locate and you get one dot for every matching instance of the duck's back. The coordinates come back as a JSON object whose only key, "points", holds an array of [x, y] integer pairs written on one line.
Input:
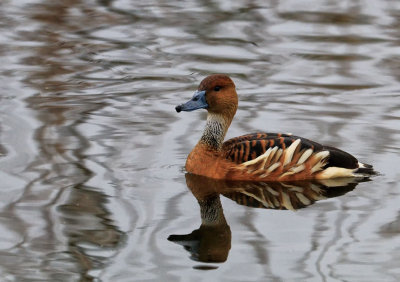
{"points": [[276, 156]]}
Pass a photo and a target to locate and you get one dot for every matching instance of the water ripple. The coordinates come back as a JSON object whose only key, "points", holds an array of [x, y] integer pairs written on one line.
{"points": [[92, 151]]}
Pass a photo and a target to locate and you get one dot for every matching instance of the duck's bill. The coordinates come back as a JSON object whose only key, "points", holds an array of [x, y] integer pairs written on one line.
{"points": [[198, 101]]}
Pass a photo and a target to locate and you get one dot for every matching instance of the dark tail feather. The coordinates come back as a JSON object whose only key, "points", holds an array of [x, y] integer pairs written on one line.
{"points": [[365, 169]]}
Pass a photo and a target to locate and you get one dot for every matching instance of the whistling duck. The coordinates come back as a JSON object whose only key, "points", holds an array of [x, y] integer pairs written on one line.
{"points": [[258, 156]]}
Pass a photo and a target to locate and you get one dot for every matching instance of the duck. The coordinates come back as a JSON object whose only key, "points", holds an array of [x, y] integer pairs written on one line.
{"points": [[258, 156]]}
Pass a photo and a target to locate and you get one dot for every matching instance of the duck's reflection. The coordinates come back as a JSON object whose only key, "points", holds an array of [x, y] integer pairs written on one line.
{"points": [[212, 241]]}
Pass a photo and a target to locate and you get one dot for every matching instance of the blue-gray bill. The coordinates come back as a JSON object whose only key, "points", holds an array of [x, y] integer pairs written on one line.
{"points": [[198, 101]]}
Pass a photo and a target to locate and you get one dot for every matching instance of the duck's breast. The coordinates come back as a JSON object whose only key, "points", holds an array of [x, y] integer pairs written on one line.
{"points": [[208, 162]]}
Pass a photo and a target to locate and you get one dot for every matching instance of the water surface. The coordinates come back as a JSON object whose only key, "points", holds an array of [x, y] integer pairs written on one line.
{"points": [[92, 150]]}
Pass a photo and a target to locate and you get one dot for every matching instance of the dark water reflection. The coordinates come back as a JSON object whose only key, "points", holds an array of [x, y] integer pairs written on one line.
{"points": [[92, 151], [211, 242]]}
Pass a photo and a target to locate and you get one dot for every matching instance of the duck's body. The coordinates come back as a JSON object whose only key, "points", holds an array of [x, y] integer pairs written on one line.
{"points": [[259, 156]]}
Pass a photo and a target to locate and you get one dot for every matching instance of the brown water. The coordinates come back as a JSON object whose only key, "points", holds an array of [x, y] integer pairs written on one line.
{"points": [[92, 150]]}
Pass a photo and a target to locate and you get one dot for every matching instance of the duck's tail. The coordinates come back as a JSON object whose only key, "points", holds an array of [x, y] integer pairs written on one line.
{"points": [[364, 170]]}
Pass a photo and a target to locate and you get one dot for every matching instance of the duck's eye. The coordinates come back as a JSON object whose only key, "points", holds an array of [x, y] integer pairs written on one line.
{"points": [[217, 88]]}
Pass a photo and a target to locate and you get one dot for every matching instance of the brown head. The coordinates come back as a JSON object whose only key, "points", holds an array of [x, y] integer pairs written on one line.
{"points": [[216, 93]]}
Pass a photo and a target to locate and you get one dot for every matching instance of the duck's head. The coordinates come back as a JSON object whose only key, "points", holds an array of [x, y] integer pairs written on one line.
{"points": [[216, 93]]}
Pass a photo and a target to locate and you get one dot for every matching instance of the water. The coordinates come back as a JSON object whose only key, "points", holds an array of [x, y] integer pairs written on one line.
{"points": [[92, 150]]}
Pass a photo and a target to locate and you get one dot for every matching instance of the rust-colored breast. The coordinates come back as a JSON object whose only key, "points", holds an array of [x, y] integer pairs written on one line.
{"points": [[205, 161]]}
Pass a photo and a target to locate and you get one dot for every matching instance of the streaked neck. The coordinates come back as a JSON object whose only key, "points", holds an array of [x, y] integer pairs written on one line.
{"points": [[214, 133]]}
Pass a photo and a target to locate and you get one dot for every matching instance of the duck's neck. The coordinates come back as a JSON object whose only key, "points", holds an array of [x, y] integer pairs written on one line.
{"points": [[214, 133]]}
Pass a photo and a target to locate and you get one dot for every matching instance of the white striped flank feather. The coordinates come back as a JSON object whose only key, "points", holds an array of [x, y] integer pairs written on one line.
{"points": [[294, 170], [305, 156], [296, 163], [275, 158], [288, 155], [262, 163], [321, 158]]}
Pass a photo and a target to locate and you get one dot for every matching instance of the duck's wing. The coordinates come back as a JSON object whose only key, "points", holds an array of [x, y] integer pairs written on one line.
{"points": [[250, 146], [285, 155]]}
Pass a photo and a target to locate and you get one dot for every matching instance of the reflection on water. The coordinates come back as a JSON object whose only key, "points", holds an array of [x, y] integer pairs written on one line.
{"points": [[212, 241], [92, 235], [91, 149]]}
